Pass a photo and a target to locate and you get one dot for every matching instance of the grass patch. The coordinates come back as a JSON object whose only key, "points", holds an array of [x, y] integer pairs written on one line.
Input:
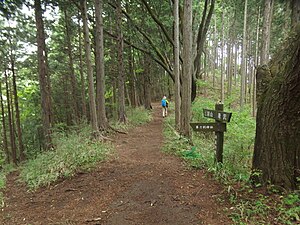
{"points": [[238, 142], [135, 117], [74, 151], [6, 169]]}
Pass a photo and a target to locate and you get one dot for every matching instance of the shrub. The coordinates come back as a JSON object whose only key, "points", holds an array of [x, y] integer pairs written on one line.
{"points": [[74, 151]]}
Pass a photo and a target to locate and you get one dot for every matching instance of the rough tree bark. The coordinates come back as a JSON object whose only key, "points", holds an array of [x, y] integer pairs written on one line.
{"points": [[91, 88], [44, 80], [295, 17], [74, 99], [100, 76], [277, 144], [266, 32], [187, 69], [82, 79], [177, 64], [121, 74]]}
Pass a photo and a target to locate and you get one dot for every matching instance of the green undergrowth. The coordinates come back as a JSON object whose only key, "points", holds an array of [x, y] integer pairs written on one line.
{"points": [[249, 205], [6, 169], [73, 151], [135, 117], [238, 144], [264, 206]]}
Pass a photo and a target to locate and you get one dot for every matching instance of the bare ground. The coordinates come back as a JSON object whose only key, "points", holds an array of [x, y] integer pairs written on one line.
{"points": [[141, 185]]}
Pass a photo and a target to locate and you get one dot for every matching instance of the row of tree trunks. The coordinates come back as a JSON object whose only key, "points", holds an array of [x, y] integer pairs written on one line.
{"points": [[10, 120]]}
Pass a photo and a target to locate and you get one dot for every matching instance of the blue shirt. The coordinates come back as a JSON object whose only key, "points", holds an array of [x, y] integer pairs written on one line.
{"points": [[164, 102]]}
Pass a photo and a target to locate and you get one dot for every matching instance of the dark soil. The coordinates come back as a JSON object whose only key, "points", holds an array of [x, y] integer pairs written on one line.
{"points": [[141, 185]]}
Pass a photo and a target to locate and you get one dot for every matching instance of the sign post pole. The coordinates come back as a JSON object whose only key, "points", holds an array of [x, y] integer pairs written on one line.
{"points": [[219, 137]]}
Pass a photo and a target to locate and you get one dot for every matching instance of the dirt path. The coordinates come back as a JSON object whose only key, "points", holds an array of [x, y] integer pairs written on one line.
{"points": [[141, 186]]}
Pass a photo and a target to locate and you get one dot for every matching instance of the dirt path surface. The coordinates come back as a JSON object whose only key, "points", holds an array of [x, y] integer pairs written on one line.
{"points": [[141, 186]]}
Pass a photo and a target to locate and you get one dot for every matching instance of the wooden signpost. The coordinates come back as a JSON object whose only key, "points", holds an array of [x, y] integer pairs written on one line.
{"points": [[219, 127]]}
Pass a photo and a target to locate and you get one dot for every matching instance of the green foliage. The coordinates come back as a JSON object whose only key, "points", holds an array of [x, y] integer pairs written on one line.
{"points": [[238, 142], [180, 146], [135, 116], [262, 209], [74, 151], [5, 169], [138, 116]]}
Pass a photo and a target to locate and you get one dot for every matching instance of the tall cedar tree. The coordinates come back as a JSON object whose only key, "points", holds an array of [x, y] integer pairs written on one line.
{"points": [[44, 80]]}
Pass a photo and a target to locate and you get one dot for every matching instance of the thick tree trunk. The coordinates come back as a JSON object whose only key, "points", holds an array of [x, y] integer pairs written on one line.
{"points": [[91, 88], [100, 76], [177, 65], [43, 76], [277, 145], [187, 69], [121, 77]]}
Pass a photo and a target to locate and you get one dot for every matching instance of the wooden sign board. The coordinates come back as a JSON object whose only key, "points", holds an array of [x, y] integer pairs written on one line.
{"points": [[217, 115], [208, 127]]}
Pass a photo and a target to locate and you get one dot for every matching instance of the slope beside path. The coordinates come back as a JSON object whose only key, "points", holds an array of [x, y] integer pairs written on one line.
{"points": [[141, 185]]}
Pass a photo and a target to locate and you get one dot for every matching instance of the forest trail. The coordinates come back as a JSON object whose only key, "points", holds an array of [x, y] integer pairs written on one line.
{"points": [[141, 185]]}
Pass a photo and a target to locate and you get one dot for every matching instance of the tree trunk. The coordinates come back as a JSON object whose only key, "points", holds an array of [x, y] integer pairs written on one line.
{"points": [[121, 77], [100, 76], [187, 69], [295, 12], [4, 130], [44, 80], [16, 101], [222, 97], [147, 84], [176, 64], [74, 98], [266, 32], [10, 122], [87, 45], [276, 156], [132, 79], [215, 51], [243, 63], [82, 79], [255, 64]]}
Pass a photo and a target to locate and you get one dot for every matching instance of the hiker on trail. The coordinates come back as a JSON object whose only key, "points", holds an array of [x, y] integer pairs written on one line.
{"points": [[165, 104]]}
